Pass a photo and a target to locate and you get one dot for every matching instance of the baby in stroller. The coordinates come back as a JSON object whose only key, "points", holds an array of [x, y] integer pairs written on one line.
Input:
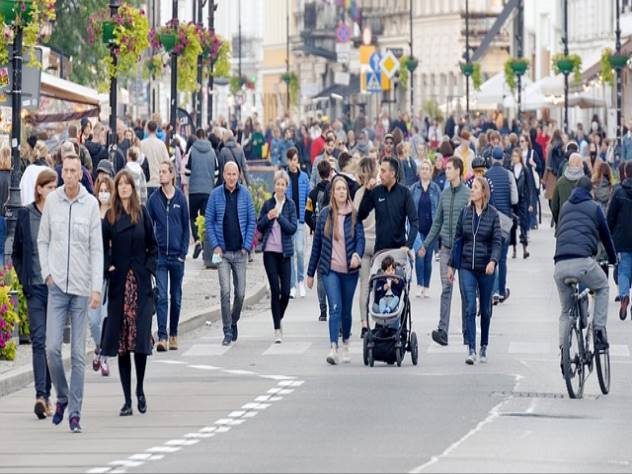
{"points": [[388, 290]]}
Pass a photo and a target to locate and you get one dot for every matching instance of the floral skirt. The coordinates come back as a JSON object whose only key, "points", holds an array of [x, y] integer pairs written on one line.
{"points": [[127, 338]]}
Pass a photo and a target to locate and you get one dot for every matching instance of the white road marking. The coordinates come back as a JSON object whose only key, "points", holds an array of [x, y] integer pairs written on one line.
{"points": [[277, 377], [199, 435], [251, 414], [208, 429], [531, 347], [198, 350], [98, 470], [156, 457], [255, 406], [236, 414], [182, 442], [287, 348], [171, 362], [291, 383], [140, 457], [204, 367], [163, 449], [223, 429], [127, 463]]}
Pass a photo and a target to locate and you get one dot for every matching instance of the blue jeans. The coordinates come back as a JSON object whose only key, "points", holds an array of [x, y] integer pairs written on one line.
{"points": [[500, 284], [624, 273], [298, 259], [37, 302], [60, 306], [169, 273], [423, 266], [473, 284], [340, 288]]}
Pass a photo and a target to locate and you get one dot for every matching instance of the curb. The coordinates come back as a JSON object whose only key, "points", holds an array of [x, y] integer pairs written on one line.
{"points": [[19, 378]]}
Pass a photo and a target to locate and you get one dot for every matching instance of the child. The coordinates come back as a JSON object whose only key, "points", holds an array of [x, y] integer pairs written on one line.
{"points": [[387, 294]]}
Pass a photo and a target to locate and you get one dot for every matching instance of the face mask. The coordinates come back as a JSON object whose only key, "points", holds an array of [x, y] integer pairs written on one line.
{"points": [[104, 198]]}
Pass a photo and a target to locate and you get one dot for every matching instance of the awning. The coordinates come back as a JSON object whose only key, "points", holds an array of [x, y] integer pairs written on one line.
{"points": [[58, 88], [593, 71], [341, 90], [494, 91]]}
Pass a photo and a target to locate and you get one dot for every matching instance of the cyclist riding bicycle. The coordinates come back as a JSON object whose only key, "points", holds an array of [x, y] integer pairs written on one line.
{"points": [[581, 225]]}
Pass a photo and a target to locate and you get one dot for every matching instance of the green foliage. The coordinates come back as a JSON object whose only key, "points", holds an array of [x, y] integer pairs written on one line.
{"points": [[403, 71], [510, 75], [8, 319], [606, 74], [154, 66], [201, 228], [234, 85], [575, 59], [477, 80], [431, 108], [222, 64], [260, 194]]}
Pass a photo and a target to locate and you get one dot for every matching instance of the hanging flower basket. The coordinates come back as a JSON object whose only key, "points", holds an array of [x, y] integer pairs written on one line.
{"points": [[108, 32], [467, 69], [568, 64], [286, 77], [31, 16], [519, 67], [412, 63], [565, 66], [168, 41], [514, 67], [618, 61]]}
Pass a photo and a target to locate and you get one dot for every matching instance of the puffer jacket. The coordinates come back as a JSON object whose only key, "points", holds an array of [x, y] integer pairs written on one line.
{"points": [[287, 221], [481, 241], [620, 217], [444, 223]]}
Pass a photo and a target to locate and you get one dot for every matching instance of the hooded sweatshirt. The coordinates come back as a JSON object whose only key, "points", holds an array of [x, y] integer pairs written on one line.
{"points": [[202, 164]]}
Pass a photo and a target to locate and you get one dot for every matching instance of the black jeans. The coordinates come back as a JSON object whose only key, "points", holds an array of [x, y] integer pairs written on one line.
{"points": [[278, 269], [197, 203], [37, 302]]}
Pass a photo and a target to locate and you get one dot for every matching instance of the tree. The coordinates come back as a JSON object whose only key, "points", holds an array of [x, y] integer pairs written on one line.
{"points": [[70, 38]]}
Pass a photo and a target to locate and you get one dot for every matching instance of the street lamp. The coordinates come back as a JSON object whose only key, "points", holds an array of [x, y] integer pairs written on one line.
{"points": [[112, 136], [467, 56], [174, 75], [619, 72], [565, 40], [412, 71], [211, 26], [287, 55], [520, 55], [198, 95]]}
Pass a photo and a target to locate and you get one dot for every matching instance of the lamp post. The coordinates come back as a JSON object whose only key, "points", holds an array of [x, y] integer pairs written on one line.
{"points": [[565, 40], [200, 65], [520, 55], [239, 64], [14, 201], [112, 136], [174, 75], [287, 55], [467, 56], [619, 72], [412, 73], [212, 6]]}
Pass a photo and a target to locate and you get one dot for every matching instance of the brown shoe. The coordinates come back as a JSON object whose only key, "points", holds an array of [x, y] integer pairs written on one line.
{"points": [[162, 345], [50, 408], [173, 343]]}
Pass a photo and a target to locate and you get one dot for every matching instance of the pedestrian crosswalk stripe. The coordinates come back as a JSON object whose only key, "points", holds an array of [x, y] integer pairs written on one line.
{"points": [[197, 350], [288, 348], [529, 348]]}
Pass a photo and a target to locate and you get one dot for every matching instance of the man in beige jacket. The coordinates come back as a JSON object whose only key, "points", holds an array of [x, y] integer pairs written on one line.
{"points": [[155, 152]]}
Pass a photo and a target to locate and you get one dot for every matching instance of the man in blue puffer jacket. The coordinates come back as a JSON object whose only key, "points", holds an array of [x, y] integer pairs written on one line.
{"points": [[170, 214], [230, 229]]}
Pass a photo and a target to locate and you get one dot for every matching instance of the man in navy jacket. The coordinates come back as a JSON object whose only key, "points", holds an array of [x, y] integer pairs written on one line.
{"points": [[169, 211]]}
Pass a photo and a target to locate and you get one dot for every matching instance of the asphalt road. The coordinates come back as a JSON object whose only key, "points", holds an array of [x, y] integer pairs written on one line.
{"points": [[260, 407]]}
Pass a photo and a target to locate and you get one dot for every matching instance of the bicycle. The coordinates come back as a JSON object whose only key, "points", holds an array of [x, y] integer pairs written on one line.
{"points": [[578, 352]]}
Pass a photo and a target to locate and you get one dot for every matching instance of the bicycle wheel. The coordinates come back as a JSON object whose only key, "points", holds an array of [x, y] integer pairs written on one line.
{"points": [[572, 363], [602, 359]]}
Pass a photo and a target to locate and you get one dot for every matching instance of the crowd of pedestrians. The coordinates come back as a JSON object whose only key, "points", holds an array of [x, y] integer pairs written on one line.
{"points": [[102, 238]]}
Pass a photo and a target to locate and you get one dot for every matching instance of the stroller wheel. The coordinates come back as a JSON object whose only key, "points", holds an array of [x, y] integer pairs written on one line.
{"points": [[369, 357], [399, 356], [414, 348], [365, 351]]}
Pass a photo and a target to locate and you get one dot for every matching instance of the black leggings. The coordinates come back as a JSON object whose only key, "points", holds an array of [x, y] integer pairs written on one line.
{"points": [[197, 203], [279, 270], [125, 370]]}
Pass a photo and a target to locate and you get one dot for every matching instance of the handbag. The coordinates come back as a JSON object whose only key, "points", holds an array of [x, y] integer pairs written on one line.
{"points": [[506, 223]]}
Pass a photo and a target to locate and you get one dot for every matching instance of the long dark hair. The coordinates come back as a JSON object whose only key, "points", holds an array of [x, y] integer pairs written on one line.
{"points": [[117, 209]]}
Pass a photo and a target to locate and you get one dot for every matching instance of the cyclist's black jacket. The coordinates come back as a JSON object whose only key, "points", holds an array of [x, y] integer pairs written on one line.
{"points": [[581, 226]]}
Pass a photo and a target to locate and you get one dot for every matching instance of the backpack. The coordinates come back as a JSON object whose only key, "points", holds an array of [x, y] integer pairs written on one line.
{"points": [[320, 205]]}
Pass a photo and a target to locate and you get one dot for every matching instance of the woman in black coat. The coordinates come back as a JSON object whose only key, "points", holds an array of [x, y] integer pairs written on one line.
{"points": [[130, 251], [525, 182], [277, 222], [479, 239]]}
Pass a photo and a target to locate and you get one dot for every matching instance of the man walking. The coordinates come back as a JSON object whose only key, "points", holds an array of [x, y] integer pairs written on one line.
{"points": [[235, 153], [620, 224], [451, 204], [155, 152], [70, 246], [169, 212], [201, 171], [298, 191], [230, 229]]}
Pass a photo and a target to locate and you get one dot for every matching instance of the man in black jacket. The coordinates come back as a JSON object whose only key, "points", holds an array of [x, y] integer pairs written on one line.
{"points": [[620, 224], [581, 226], [393, 206]]}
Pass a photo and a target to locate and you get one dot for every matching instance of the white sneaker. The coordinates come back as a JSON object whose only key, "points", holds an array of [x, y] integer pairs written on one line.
{"points": [[332, 357], [346, 356], [278, 336], [420, 292], [301, 289], [293, 293], [426, 292]]}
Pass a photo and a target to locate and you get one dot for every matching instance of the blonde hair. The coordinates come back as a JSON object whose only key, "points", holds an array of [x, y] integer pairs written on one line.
{"points": [[485, 187], [5, 158], [332, 217], [133, 153], [282, 175]]}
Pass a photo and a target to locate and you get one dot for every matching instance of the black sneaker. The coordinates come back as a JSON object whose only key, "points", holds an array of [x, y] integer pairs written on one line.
{"points": [[601, 340], [617, 299], [322, 317], [235, 332], [363, 333], [75, 427], [623, 311], [440, 337], [60, 408], [227, 340], [198, 250]]}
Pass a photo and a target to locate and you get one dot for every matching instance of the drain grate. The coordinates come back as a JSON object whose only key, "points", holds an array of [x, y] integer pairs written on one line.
{"points": [[517, 394], [545, 416]]}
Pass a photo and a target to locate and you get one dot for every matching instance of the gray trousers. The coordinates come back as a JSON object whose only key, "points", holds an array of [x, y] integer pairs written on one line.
{"points": [[75, 307], [232, 263], [590, 275], [446, 293]]}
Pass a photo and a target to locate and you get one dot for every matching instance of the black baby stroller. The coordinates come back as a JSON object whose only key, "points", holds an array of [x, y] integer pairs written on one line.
{"points": [[392, 336]]}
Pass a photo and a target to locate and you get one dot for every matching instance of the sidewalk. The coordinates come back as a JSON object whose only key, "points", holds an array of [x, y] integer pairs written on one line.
{"points": [[200, 304]]}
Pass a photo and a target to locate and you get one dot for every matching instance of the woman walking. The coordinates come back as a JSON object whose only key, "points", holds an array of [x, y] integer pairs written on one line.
{"points": [[278, 223], [104, 188], [525, 183], [479, 238], [130, 250], [27, 266], [366, 171], [602, 185], [426, 194], [533, 161], [337, 252]]}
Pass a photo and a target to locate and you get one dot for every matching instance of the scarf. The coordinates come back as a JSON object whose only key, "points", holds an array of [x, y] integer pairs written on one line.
{"points": [[573, 175]]}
